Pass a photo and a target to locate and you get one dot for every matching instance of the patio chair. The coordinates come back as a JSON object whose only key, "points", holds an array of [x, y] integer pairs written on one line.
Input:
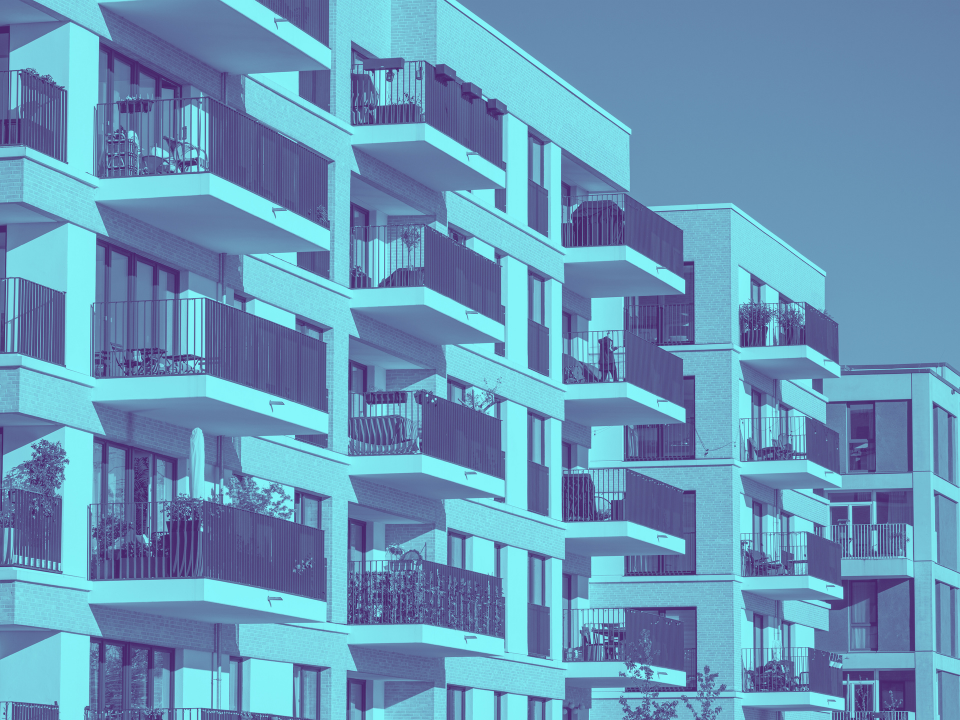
{"points": [[783, 448]]}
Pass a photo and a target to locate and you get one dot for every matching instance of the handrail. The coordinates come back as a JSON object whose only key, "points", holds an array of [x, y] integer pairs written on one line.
{"points": [[28, 711], [617, 494], [33, 113], [770, 554], [175, 714], [792, 670], [797, 437], [877, 540]]}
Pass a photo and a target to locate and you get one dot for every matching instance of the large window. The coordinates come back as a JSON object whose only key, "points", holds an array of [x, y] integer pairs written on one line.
{"points": [[944, 444], [862, 441], [537, 297], [945, 529], [863, 615], [127, 676], [537, 709], [536, 160], [535, 438], [122, 77], [457, 550], [946, 601], [537, 580], [306, 692], [874, 436], [123, 276], [123, 474]]}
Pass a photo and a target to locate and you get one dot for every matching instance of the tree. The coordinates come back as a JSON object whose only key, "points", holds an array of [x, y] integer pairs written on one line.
{"points": [[43, 474], [638, 660], [483, 398], [246, 494], [706, 695]]}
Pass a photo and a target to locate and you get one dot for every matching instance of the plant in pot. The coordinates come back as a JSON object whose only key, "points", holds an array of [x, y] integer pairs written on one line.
{"points": [[754, 322], [30, 491], [109, 553], [184, 525], [792, 320], [135, 104], [410, 236]]}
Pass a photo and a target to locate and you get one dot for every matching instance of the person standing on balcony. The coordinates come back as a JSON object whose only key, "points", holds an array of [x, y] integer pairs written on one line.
{"points": [[608, 361]]}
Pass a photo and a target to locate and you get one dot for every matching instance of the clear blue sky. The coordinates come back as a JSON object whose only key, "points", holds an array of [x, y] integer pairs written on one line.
{"points": [[834, 124]]}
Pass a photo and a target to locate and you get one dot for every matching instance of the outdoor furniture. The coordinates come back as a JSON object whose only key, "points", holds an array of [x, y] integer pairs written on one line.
{"points": [[389, 434], [122, 153], [186, 156], [365, 98], [597, 222], [579, 497], [187, 364], [575, 371]]}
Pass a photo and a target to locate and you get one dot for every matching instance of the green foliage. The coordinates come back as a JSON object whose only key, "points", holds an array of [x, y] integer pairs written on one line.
{"points": [[707, 693], [638, 659], [43, 474], [184, 507], [246, 494], [108, 531], [754, 316]]}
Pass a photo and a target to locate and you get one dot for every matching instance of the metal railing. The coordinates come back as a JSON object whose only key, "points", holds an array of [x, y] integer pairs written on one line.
{"points": [[651, 565], [192, 538], [598, 356], [538, 347], [28, 711], [413, 93], [311, 16], [33, 320], [872, 715], [391, 256], [783, 324], [661, 442], [199, 336], [793, 553], [616, 635], [538, 630], [33, 112], [410, 422], [880, 540], [401, 592], [178, 714], [538, 208], [196, 135], [31, 527], [616, 494], [661, 324], [538, 488], [792, 670], [603, 219], [797, 437]]}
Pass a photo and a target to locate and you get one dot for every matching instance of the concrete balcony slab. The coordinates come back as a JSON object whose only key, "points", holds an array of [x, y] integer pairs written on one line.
{"points": [[426, 476], [789, 362], [617, 271], [793, 587], [802, 700], [620, 537], [791, 474], [425, 641], [618, 403], [607, 675]]}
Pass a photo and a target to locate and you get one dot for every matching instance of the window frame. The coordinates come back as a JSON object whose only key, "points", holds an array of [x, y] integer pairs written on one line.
{"points": [[452, 539], [455, 692], [298, 692], [533, 280], [537, 563], [127, 646], [532, 421]]}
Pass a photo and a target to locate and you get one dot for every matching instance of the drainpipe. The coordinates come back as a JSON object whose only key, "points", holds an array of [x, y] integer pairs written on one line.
{"points": [[217, 668]]}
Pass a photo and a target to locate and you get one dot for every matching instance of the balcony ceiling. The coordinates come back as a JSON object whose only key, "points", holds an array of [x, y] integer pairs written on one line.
{"points": [[791, 701], [790, 474], [606, 675], [607, 538], [618, 403], [789, 362], [426, 476], [616, 271], [425, 641], [14, 12], [235, 36]]}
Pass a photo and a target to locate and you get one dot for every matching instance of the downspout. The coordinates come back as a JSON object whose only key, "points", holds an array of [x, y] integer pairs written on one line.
{"points": [[217, 668]]}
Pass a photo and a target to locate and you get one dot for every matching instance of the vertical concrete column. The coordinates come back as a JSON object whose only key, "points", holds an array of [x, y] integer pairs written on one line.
{"points": [[922, 424], [271, 686], [479, 704], [515, 589], [516, 706], [553, 292], [515, 141], [554, 452], [77, 496], [552, 165], [192, 678], [480, 555], [515, 431], [376, 702], [555, 601], [514, 291], [555, 709]]}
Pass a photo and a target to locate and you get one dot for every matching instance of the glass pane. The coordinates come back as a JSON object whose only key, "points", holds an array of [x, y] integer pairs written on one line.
{"points": [[118, 277], [122, 87], [102, 94], [95, 675], [112, 677], [164, 480], [310, 511], [139, 671], [536, 580], [97, 472], [234, 691], [116, 475], [310, 689], [355, 700], [147, 85]]}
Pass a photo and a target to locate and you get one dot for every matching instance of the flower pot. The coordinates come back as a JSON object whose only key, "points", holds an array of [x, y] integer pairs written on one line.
{"points": [[753, 336], [184, 549], [135, 106]]}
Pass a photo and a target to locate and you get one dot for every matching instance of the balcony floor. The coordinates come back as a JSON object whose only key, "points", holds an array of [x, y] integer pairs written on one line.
{"points": [[793, 587], [206, 600], [216, 406], [606, 675], [616, 271], [425, 641], [428, 156], [618, 403], [791, 474], [234, 36], [791, 701], [877, 567], [426, 476], [428, 315], [213, 213], [608, 537], [789, 362]]}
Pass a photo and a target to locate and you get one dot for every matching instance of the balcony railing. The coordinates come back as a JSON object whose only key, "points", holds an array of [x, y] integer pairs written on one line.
{"points": [[792, 438], [652, 565], [538, 630], [792, 670], [792, 553], [616, 635], [782, 324], [617, 494], [661, 324], [410, 422], [311, 16], [392, 256], [198, 336], [28, 711], [661, 442], [33, 112], [414, 92], [872, 715], [538, 488], [599, 356], [605, 219], [175, 714], [33, 320], [192, 538], [31, 526], [399, 592], [538, 347], [198, 135], [538, 208], [880, 540]]}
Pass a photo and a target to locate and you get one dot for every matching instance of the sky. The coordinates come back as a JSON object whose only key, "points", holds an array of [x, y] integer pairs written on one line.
{"points": [[836, 125]]}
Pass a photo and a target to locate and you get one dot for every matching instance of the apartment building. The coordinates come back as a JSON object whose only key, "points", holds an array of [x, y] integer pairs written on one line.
{"points": [[304, 291], [896, 522]]}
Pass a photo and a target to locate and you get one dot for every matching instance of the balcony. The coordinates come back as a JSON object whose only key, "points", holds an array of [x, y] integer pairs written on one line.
{"points": [[792, 679], [621, 512], [33, 114], [789, 341], [878, 550], [195, 362], [418, 442], [538, 630], [28, 711], [672, 324], [424, 120], [790, 453], [601, 640], [167, 714], [616, 247], [791, 566], [617, 378], [424, 608], [31, 527], [421, 282], [654, 443], [239, 36], [211, 174], [191, 558]]}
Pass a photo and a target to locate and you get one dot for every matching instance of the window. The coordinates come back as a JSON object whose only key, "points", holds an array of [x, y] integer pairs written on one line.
{"points": [[535, 438], [537, 709], [874, 436], [945, 530], [567, 332], [501, 348], [456, 391], [566, 461], [536, 161], [537, 299], [356, 699], [755, 292], [5, 49], [566, 593], [863, 615], [315, 87], [786, 635], [758, 625], [685, 564], [456, 703], [240, 301], [122, 77], [3, 240], [123, 474], [862, 442], [126, 676], [538, 580], [944, 444], [946, 601], [306, 509], [123, 276], [306, 692], [457, 550], [499, 706], [499, 552], [358, 377], [356, 543], [235, 701]]}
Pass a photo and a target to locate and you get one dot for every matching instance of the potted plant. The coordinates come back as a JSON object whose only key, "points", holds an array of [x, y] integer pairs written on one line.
{"points": [[407, 108], [754, 321], [410, 236], [30, 490], [791, 319], [108, 552], [184, 525], [358, 278], [135, 104]]}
